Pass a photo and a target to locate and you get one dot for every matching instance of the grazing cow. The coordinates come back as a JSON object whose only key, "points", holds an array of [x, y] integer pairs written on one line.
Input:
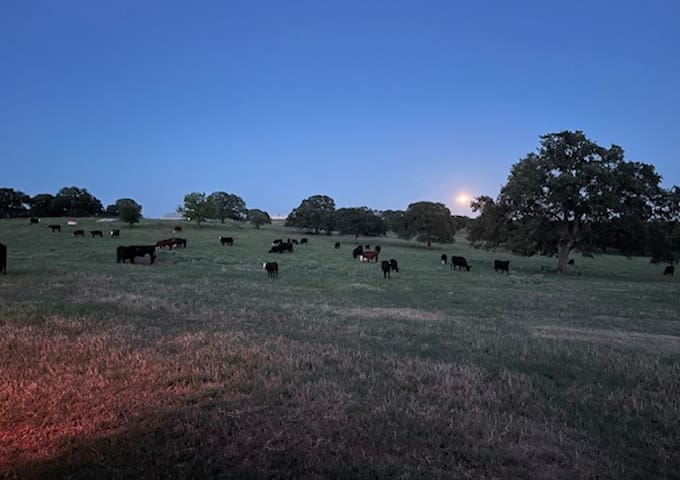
{"points": [[502, 266], [35, 221], [3, 258], [571, 261], [176, 228], [129, 253], [459, 262], [272, 269], [115, 233], [295, 242], [178, 242], [227, 241], [357, 251], [277, 241], [394, 265], [303, 240], [337, 245], [444, 259], [96, 233], [55, 228], [369, 255], [282, 247], [669, 270], [385, 267], [164, 243], [79, 233]]}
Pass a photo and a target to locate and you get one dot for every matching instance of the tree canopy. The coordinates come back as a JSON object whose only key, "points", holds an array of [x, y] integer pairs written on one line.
{"points": [[128, 210], [359, 221], [314, 213], [13, 203], [258, 217], [428, 222], [42, 205], [565, 196], [197, 207], [77, 202], [228, 205]]}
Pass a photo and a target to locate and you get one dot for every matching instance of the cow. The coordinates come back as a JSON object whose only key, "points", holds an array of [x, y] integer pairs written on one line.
{"points": [[277, 241], [3, 258], [459, 262], [96, 233], [367, 246], [303, 240], [282, 247], [502, 266], [129, 253], [385, 267], [227, 241], [571, 261], [115, 233], [444, 259], [377, 248], [272, 269], [369, 255], [79, 233], [294, 241], [394, 265], [178, 242], [35, 221], [176, 228], [164, 243], [337, 245], [54, 228], [669, 270], [357, 251]]}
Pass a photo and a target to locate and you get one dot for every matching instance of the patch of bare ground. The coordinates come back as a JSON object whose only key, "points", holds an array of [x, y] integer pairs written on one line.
{"points": [[646, 341]]}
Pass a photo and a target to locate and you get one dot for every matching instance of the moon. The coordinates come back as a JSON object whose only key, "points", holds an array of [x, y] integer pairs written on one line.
{"points": [[463, 198]]}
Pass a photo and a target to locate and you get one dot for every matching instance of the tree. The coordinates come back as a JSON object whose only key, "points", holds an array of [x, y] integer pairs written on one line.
{"points": [[315, 213], [555, 199], [428, 222], [228, 205], [258, 217], [42, 205], [359, 221], [77, 202], [13, 203], [128, 210], [197, 207], [394, 220]]}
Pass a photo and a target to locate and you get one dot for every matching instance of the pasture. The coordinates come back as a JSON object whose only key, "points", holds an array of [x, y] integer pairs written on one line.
{"points": [[202, 366]]}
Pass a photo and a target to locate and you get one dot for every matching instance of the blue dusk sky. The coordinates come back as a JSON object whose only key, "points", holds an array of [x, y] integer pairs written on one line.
{"points": [[374, 103]]}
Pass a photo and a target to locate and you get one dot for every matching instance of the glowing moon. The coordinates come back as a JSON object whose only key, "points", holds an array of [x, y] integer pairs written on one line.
{"points": [[463, 198]]}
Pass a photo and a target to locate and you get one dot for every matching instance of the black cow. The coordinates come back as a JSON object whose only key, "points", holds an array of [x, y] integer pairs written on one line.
{"points": [[129, 253], [502, 266], [367, 246], [357, 251], [394, 265], [277, 241], [571, 262], [444, 259], [377, 248], [282, 247], [115, 233], [337, 245], [295, 242], [79, 233], [227, 241], [54, 228], [35, 221], [385, 267], [303, 240], [459, 262], [96, 233], [3, 258], [176, 228], [272, 269], [669, 270]]}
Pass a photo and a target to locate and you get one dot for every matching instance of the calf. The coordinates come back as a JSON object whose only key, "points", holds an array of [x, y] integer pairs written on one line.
{"points": [[227, 241], [357, 251], [303, 240], [176, 228], [394, 265], [79, 233], [129, 253], [272, 269], [369, 255], [459, 262], [3, 258], [502, 266], [115, 233], [55, 228], [96, 233], [337, 245], [444, 259], [35, 221], [385, 267], [669, 270]]}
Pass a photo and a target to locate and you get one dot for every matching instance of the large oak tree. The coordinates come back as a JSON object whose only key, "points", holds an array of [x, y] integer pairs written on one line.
{"points": [[314, 213]]}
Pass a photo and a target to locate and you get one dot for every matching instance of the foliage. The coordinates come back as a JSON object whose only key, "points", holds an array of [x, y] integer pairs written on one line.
{"points": [[128, 210], [228, 205], [13, 203], [428, 222], [197, 207], [258, 217], [77, 202], [394, 220], [359, 221], [314, 213], [43, 205]]}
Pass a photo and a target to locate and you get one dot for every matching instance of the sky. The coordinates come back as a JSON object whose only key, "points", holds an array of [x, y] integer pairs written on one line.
{"points": [[374, 103]]}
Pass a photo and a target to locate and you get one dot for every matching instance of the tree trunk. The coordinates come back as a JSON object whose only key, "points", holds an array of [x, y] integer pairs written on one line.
{"points": [[563, 250]]}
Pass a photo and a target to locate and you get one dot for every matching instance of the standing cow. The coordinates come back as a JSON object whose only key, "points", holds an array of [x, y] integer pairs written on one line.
{"points": [[502, 266], [3, 258]]}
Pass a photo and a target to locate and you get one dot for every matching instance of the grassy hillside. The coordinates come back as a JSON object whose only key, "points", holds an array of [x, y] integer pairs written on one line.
{"points": [[200, 366]]}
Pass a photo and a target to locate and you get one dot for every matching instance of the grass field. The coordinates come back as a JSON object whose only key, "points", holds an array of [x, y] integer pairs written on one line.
{"points": [[200, 366]]}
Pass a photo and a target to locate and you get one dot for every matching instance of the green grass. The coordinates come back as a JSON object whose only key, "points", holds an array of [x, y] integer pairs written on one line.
{"points": [[200, 366]]}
